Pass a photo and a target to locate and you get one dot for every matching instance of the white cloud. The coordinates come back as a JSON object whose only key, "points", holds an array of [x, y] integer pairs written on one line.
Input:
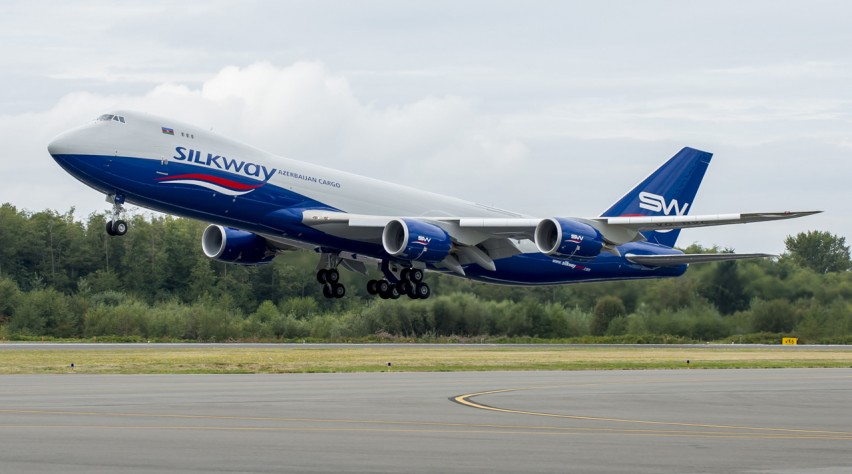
{"points": [[552, 110], [301, 111]]}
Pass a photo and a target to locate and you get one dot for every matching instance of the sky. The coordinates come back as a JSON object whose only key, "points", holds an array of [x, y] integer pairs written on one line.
{"points": [[544, 108]]}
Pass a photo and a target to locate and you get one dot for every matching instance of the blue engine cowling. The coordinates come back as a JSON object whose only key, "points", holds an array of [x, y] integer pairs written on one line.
{"points": [[564, 238], [235, 246], [411, 239]]}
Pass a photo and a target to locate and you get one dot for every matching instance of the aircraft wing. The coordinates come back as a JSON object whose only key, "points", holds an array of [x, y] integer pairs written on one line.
{"points": [[681, 222], [619, 230], [475, 230]]}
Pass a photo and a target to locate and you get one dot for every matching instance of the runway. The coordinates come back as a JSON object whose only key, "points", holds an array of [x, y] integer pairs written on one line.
{"points": [[678, 421], [87, 346]]}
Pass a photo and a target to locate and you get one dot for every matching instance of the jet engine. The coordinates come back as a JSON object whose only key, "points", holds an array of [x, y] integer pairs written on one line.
{"points": [[416, 240], [564, 238], [235, 246]]}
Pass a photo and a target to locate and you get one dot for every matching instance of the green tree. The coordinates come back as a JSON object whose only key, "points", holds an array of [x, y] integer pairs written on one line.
{"points": [[725, 288], [607, 309], [773, 316], [671, 293], [45, 312], [9, 296], [127, 318], [822, 252]]}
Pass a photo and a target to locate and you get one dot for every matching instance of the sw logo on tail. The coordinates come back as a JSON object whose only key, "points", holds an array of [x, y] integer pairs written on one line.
{"points": [[656, 203]]}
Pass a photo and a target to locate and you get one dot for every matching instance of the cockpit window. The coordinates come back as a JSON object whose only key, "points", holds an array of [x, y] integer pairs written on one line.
{"points": [[108, 117]]}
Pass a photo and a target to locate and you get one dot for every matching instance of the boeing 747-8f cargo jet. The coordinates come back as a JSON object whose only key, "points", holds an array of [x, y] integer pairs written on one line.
{"points": [[260, 204]]}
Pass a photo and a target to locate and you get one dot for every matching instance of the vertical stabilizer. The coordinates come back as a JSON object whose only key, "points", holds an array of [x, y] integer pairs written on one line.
{"points": [[668, 191]]}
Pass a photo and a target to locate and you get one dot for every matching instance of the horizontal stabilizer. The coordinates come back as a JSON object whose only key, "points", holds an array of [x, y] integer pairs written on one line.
{"points": [[680, 259]]}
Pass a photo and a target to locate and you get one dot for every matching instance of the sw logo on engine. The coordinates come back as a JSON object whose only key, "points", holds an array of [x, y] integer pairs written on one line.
{"points": [[656, 203], [423, 240]]}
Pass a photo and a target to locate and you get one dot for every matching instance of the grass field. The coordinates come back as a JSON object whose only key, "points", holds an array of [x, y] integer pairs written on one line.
{"points": [[374, 358]]}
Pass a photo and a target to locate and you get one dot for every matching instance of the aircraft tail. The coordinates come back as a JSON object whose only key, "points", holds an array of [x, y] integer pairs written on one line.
{"points": [[668, 191]]}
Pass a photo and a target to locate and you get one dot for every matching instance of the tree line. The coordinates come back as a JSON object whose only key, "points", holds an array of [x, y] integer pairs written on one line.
{"points": [[63, 277]]}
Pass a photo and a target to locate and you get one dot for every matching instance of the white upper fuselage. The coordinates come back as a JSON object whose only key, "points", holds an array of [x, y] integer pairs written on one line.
{"points": [[141, 136]]}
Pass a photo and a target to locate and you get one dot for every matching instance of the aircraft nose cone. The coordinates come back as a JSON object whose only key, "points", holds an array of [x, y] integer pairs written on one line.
{"points": [[60, 145]]}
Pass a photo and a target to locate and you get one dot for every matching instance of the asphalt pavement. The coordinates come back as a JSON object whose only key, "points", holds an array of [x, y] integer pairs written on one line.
{"points": [[676, 421]]}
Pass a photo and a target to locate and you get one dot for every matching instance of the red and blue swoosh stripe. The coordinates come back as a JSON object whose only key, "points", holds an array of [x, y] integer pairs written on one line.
{"points": [[214, 183]]}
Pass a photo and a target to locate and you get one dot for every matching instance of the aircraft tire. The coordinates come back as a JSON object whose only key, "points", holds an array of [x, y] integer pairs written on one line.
{"points": [[423, 291], [415, 275], [332, 276], [321, 276], [383, 286], [372, 287], [109, 230], [119, 227], [394, 293], [338, 290]]}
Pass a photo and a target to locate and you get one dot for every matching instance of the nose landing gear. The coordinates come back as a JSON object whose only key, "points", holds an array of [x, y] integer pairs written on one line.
{"points": [[116, 226]]}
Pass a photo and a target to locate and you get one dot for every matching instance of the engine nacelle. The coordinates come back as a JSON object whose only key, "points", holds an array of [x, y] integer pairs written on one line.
{"points": [[235, 246], [416, 240], [564, 238]]}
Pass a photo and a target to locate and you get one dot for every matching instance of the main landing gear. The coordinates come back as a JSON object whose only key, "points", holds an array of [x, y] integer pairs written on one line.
{"points": [[410, 283], [116, 226], [398, 281], [330, 281], [329, 277]]}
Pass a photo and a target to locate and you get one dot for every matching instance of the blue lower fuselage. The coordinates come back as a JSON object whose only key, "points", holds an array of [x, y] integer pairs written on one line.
{"points": [[274, 210]]}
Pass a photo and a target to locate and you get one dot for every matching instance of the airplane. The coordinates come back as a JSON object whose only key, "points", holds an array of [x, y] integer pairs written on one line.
{"points": [[260, 204]]}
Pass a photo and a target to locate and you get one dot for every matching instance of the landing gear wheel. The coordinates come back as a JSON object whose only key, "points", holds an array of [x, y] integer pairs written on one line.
{"points": [[388, 290], [119, 227], [321, 276], [338, 290], [327, 291], [332, 276], [109, 228], [422, 291], [403, 286], [415, 275], [372, 287], [403, 275]]}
